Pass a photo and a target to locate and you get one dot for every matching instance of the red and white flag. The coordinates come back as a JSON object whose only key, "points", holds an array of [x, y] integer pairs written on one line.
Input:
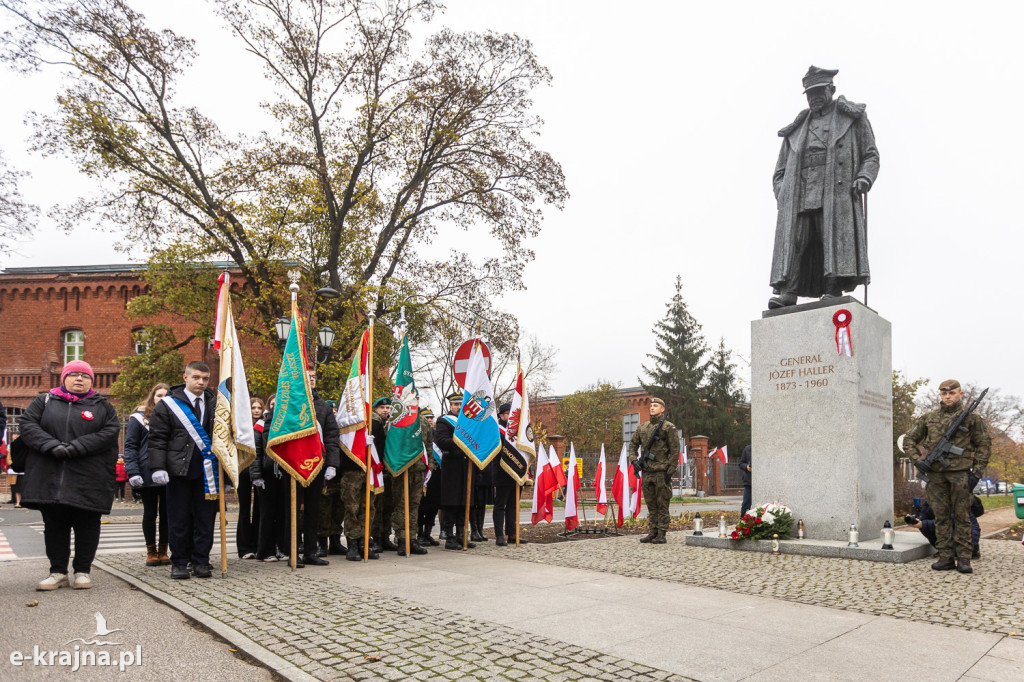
{"points": [[572, 518], [682, 455], [626, 488], [543, 489], [722, 454], [556, 469], [599, 486]]}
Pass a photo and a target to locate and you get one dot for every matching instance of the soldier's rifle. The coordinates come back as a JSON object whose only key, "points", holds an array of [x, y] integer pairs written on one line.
{"points": [[643, 460], [944, 448]]}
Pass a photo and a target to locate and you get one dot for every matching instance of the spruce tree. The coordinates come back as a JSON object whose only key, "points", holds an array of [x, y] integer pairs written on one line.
{"points": [[726, 423], [680, 367]]}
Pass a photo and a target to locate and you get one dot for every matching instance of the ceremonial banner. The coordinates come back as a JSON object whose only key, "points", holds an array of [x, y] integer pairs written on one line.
{"points": [[599, 485], [405, 436], [354, 406], [293, 440], [571, 515], [518, 448], [234, 442], [476, 430]]}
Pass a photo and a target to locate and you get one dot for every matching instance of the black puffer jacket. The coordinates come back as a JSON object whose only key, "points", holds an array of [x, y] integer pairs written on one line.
{"points": [[86, 479], [136, 450], [170, 447]]}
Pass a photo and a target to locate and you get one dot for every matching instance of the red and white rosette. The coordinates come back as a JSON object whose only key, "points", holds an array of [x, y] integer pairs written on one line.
{"points": [[844, 344]]}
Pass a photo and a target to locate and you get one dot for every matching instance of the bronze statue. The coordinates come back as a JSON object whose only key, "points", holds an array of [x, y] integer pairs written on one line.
{"points": [[827, 164]]}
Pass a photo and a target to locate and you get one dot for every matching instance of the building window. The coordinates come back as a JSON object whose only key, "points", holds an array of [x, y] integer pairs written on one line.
{"points": [[74, 345], [630, 422], [140, 340]]}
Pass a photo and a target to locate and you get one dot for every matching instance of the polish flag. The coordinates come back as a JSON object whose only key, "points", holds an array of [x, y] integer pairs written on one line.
{"points": [[571, 516], [682, 455], [622, 489], [543, 489], [599, 486], [722, 454], [556, 468]]}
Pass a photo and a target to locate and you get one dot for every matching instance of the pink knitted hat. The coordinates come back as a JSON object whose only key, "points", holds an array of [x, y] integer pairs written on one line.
{"points": [[76, 366]]}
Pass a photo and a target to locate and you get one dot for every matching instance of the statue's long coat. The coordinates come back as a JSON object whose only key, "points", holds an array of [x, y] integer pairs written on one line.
{"points": [[851, 154]]}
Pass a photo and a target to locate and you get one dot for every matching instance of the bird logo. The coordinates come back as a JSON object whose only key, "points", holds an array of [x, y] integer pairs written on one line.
{"points": [[101, 631]]}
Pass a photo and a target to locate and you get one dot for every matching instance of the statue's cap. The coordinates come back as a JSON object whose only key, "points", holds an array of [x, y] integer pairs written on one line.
{"points": [[949, 385], [817, 77]]}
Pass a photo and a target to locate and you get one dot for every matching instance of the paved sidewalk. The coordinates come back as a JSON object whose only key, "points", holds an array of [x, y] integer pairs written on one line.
{"points": [[582, 611]]}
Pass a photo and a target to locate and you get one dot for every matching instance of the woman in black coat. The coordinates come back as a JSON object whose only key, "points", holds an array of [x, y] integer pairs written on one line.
{"points": [[71, 435], [140, 476]]}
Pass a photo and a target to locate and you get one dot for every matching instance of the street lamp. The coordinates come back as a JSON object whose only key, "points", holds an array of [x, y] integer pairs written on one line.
{"points": [[283, 326], [326, 338]]}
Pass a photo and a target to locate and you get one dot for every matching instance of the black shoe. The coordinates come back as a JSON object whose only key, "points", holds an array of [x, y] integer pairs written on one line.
{"points": [[281, 556], [414, 548], [315, 560], [335, 547], [649, 537], [354, 553], [945, 563], [299, 563], [477, 536], [180, 572], [523, 541], [450, 543], [202, 571], [976, 554], [458, 541], [500, 541], [321, 547], [388, 546], [964, 566]]}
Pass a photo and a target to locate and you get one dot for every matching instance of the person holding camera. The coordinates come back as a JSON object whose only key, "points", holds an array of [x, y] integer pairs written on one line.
{"points": [[659, 441], [925, 522]]}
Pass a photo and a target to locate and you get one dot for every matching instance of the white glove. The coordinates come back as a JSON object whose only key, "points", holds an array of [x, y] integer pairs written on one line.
{"points": [[135, 481], [330, 473], [160, 477], [369, 439], [259, 483]]}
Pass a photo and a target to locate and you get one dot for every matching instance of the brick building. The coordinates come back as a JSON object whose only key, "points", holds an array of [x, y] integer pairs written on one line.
{"points": [[701, 473], [51, 315]]}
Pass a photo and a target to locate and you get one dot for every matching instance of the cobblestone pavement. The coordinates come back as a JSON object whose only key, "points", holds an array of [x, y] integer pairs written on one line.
{"points": [[335, 631], [989, 600]]}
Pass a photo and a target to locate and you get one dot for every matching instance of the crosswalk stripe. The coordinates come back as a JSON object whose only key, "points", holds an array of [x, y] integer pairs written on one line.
{"points": [[5, 549], [121, 538]]}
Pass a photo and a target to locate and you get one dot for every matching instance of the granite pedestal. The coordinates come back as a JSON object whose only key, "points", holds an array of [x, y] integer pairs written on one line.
{"points": [[908, 546], [822, 421]]}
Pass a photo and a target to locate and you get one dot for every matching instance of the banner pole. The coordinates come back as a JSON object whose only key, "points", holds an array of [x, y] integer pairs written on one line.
{"points": [[369, 432], [469, 491], [408, 550], [223, 524], [295, 519], [519, 507]]}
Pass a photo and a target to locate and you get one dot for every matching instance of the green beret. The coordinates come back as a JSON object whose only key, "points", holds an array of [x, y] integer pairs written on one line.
{"points": [[386, 400]]}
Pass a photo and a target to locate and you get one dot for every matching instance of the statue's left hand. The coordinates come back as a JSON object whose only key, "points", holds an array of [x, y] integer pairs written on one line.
{"points": [[861, 186]]}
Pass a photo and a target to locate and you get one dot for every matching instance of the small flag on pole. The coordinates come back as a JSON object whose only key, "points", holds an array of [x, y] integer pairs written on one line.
{"points": [[599, 484], [571, 515]]}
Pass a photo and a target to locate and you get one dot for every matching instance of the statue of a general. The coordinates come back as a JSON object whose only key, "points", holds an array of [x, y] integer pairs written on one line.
{"points": [[827, 163]]}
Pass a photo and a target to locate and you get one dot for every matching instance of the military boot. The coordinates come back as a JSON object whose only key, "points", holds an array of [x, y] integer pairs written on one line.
{"points": [[152, 558], [414, 548], [659, 538], [388, 546], [334, 545], [964, 566], [459, 537], [474, 529], [945, 563], [354, 553], [649, 537], [321, 547]]}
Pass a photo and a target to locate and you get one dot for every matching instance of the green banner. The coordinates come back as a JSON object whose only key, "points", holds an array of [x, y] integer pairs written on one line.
{"points": [[405, 441]]}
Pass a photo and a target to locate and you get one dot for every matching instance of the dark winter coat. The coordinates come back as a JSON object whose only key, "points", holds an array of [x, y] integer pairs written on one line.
{"points": [[85, 480], [744, 463], [136, 451], [263, 465], [170, 447], [454, 465]]}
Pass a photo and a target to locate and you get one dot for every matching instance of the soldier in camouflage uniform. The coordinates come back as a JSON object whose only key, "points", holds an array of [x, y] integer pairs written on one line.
{"points": [[949, 492], [416, 472], [380, 519], [657, 475], [431, 500]]}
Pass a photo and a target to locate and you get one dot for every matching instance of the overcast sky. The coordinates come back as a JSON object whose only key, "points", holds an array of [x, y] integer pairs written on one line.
{"points": [[664, 116]]}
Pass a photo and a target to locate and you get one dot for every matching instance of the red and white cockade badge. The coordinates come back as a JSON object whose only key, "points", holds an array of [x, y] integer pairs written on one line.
{"points": [[87, 415], [844, 344]]}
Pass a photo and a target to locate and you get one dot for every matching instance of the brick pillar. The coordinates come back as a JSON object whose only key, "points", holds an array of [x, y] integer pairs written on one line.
{"points": [[558, 444], [698, 450]]}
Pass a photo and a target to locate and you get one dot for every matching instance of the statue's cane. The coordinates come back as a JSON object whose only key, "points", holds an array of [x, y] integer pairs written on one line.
{"points": [[864, 207]]}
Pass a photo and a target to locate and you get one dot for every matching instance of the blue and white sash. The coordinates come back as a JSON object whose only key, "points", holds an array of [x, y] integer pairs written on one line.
{"points": [[183, 411]]}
